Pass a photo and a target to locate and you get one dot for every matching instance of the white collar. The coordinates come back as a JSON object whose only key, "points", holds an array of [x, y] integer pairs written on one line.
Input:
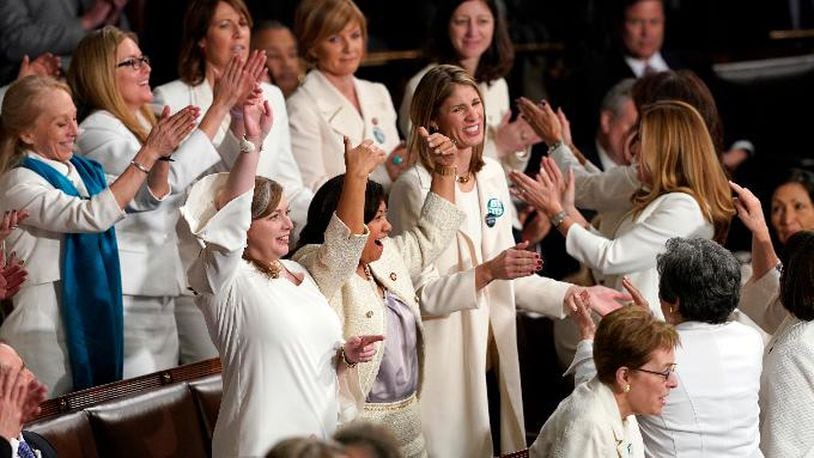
{"points": [[64, 168], [604, 158], [656, 62]]}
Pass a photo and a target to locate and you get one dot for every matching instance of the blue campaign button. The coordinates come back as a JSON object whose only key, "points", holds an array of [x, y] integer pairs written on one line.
{"points": [[490, 220], [495, 207], [378, 134]]}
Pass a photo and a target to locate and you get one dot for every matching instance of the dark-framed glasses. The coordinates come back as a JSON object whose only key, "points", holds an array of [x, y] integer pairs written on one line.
{"points": [[666, 373], [134, 62]]}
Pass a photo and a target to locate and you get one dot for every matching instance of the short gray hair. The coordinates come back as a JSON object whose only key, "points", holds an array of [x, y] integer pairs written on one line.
{"points": [[617, 95], [704, 278]]}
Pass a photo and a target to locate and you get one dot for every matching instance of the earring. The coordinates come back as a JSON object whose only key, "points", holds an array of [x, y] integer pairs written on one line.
{"points": [[670, 309], [626, 389]]}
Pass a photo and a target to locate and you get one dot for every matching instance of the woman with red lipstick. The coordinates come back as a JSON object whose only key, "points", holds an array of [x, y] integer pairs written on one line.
{"points": [[482, 264], [332, 102], [287, 371], [473, 35], [67, 318], [110, 78]]}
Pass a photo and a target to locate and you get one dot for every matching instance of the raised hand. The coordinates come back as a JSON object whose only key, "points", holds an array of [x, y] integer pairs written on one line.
{"points": [[45, 64], [635, 295], [362, 160], [604, 300], [238, 80], [542, 120], [749, 210], [543, 193], [360, 349], [514, 136], [515, 262], [442, 148], [579, 303], [257, 117], [168, 133]]}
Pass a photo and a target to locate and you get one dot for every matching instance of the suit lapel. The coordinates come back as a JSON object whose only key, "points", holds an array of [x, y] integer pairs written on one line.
{"points": [[334, 107]]}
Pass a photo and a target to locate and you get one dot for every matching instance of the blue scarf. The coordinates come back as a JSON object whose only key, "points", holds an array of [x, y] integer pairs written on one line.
{"points": [[91, 286]]}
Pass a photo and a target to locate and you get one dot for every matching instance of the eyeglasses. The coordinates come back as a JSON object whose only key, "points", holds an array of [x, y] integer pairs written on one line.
{"points": [[134, 62], [665, 373]]}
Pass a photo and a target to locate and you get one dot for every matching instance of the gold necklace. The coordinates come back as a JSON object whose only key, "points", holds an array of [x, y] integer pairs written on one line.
{"points": [[271, 269], [464, 179]]}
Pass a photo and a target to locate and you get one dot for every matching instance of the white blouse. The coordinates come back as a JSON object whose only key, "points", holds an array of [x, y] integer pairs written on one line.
{"points": [[277, 340]]}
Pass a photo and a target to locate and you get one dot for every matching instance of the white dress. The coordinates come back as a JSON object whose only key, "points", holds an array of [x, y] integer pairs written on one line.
{"points": [[277, 340]]}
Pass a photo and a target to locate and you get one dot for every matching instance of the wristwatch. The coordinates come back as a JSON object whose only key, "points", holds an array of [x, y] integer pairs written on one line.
{"points": [[557, 219]]}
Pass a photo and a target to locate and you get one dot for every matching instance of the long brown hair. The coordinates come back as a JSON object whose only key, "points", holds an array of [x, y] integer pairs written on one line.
{"points": [[92, 77], [678, 155], [433, 89], [25, 100]]}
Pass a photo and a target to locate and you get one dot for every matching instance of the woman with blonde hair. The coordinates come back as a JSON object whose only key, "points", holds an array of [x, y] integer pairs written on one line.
{"points": [[67, 318], [475, 268], [684, 192], [332, 102], [110, 78]]}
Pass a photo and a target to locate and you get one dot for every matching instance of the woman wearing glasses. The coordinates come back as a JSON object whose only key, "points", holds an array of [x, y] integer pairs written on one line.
{"points": [[634, 354], [110, 79], [714, 410]]}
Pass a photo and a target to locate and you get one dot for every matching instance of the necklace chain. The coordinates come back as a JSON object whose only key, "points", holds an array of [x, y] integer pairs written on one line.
{"points": [[271, 269]]}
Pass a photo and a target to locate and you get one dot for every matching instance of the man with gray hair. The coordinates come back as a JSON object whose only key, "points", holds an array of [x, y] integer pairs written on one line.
{"points": [[617, 115]]}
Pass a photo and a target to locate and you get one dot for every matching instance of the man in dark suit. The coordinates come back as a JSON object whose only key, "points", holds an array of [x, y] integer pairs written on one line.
{"points": [[20, 397]]}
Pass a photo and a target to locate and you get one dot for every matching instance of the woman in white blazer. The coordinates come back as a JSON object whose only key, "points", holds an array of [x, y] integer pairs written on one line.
{"points": [[215, 32], [684, 193], [463, 345], [120, 115], [473, 34], [714, 410], [635, 362], [68, 241], [331, 103]]}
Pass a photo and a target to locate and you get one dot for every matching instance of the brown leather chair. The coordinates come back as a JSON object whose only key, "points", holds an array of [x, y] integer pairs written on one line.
{"points": [[170, 413]]}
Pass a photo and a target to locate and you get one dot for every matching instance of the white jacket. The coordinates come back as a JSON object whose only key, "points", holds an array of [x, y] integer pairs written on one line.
{"points": [[320, 116], [148, 244], [454, 402], [276, 162]]}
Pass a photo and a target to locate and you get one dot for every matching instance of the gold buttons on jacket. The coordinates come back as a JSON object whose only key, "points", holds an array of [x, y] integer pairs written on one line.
{"points": [[393, 276], [369, 314]]}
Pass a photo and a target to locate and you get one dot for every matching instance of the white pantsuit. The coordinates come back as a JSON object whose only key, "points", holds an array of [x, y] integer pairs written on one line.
{"points": [[454, 401], [152, 272]]}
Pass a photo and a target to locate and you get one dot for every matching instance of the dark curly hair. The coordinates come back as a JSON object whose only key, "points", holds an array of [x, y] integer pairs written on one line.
{"points": [[797, 279], [703, 276], [325, 202]]}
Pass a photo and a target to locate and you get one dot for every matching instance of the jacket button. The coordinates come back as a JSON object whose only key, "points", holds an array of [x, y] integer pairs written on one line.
{"points": [[369, 314], [416, 299], [393, 276]]}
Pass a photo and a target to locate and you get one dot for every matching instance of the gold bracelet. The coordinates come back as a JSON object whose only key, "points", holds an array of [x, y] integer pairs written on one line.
{"points": [[446, 170], [344, 357]]}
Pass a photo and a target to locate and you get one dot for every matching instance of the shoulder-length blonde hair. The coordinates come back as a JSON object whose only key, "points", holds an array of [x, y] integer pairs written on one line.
{"points": [[192, 59], [25, 100], [92, 77], [432, 91], [316, 20], [678, 155]]}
